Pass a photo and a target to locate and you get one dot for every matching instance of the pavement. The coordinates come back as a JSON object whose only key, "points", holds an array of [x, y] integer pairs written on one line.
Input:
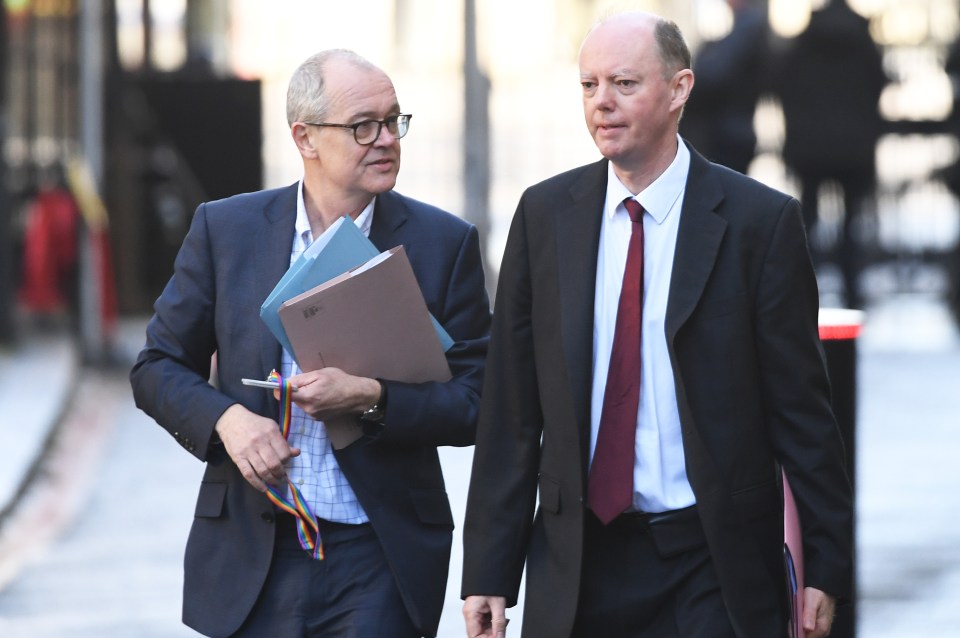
{"points": [[37, 378], [77, 435]]}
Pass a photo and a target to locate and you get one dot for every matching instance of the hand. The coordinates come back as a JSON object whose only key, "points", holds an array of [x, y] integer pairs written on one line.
{"points": [[330, 392], [485, 616], [819, 609], [256, 446]]}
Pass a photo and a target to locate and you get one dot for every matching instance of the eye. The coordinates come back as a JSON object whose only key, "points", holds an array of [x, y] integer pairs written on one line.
{"points": [[587, 85], [365, 127], [627, 84]]}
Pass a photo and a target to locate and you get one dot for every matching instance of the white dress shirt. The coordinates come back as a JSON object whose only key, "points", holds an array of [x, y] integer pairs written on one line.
{"points": [[659, 477], [315, 471]]}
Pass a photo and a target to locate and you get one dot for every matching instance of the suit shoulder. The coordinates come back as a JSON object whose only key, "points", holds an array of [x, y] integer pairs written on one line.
{"points": [[568, 179], [740, 187], [255, 200], [429, 215]]}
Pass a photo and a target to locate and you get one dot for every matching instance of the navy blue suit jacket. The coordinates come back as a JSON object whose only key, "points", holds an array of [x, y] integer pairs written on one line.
{"points": [[234, 254]]}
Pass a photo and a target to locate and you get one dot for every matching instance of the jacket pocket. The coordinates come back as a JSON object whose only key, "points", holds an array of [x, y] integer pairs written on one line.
{"points": [[432, 507], [549, 491], [210, 500]]}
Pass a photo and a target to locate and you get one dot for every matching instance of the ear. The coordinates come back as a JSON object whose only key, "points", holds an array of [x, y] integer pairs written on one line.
{"points": [[301, 137], [680, 86]]}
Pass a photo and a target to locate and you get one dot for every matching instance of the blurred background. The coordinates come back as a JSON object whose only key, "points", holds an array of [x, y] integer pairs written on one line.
{"points": [[166, 103], [118, 117]]}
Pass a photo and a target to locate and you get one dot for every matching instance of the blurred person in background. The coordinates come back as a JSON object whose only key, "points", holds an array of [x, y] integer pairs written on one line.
{"points": [[950, 174], [731, 75], [829, 80], [654, 362], [385, 523]]}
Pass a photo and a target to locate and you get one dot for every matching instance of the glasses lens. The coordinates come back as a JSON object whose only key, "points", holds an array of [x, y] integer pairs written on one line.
{"points": [[401, 125], [366, 132]]}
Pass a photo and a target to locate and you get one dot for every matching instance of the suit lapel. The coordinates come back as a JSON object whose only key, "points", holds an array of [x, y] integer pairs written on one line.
{"points": [[273, 253], [698, 243], [389, 214], [578, 220]]}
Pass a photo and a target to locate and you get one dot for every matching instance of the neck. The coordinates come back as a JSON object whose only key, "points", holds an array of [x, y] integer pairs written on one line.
{"points": [[324, 208], [637, 176]]}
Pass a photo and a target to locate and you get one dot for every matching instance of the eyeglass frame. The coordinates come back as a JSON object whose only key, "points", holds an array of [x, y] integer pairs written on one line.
{"points": [[380, 124]]}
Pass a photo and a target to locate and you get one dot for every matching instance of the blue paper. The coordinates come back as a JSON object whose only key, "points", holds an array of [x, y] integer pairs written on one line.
{"points": [[342, 247]]}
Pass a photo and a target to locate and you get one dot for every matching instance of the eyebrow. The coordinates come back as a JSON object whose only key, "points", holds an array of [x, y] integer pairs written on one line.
{"points": [[613, 74]]}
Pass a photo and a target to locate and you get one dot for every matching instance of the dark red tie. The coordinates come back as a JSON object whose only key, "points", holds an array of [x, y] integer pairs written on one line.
{"points": [[610, 487]]}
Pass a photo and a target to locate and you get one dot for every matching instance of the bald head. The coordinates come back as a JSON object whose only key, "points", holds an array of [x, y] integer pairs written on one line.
{"points": [[671, 47], [307, 95]]}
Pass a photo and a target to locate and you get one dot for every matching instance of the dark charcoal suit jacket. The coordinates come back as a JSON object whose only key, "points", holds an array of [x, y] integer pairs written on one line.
{"points": [[752, 391], [235, 252]]}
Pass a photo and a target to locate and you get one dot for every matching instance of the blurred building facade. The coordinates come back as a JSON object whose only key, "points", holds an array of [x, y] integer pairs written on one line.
{"points": [[171, 102]]}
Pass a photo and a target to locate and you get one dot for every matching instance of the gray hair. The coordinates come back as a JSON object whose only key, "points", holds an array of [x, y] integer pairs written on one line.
{"points": [[674, 52], [306, 94]]}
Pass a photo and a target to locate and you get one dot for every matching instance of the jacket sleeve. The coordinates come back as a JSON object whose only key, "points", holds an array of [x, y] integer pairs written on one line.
{"points": [[796, 393], [503, 482], [170, 376]]}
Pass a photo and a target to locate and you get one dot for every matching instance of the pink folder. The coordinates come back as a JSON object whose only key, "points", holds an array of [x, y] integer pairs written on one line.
{"points": [[793, 558]]}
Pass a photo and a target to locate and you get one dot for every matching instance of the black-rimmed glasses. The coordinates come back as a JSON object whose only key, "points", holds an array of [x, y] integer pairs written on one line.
{"points": [[367, 131]]}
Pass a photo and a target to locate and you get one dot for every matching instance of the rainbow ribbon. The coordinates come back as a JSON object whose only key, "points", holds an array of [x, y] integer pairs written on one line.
{"points": [[308, 529]]}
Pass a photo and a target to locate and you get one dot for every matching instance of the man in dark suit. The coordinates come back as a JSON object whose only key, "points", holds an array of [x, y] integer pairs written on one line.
{"points": [[676, 530], [384, 518]]}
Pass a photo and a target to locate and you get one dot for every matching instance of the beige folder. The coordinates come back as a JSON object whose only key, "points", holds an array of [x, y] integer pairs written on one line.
{"points": [[370, 321]]}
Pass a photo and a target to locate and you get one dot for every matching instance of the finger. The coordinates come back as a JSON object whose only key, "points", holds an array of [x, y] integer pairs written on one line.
{"points": [[250, 474], [272, 470], [474, 627], [819, 627], [809, 619], [477, 620], [258, 461], [824, 624]]}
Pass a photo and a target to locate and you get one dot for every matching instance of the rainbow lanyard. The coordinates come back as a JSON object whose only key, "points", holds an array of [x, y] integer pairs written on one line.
{"points": [[308, 530]]}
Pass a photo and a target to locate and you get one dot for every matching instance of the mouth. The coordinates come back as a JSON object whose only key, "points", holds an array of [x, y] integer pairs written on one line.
{"points": [[608, 127], [383, 163]]}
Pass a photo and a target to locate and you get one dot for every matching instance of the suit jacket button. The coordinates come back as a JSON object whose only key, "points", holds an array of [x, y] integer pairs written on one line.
{"points": [[267, 516]]}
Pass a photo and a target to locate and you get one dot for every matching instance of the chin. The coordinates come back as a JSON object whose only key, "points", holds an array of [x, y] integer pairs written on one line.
{"points": [[384, 184], [608, 149]]}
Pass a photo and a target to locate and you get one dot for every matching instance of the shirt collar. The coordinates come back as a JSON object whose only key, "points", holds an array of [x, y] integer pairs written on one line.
{"points": [[302, 225], [659, 197]]}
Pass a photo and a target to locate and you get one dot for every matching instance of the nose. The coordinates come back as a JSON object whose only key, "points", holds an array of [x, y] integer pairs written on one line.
{"points": [[384, 137], [603, 97]]}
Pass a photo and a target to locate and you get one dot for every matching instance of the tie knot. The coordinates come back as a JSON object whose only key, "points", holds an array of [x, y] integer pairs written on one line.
{"points": [[634, 209]]}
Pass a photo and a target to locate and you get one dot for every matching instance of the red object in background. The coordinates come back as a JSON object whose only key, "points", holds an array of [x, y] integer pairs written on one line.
{"points": [[49, 251], [840, 324]]}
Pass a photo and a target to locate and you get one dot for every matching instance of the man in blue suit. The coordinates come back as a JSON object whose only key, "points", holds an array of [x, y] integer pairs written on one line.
{"points": [[384, 517]]}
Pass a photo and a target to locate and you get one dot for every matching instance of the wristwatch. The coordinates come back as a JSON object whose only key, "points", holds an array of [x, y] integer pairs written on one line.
{"points": [[376, 413]]}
